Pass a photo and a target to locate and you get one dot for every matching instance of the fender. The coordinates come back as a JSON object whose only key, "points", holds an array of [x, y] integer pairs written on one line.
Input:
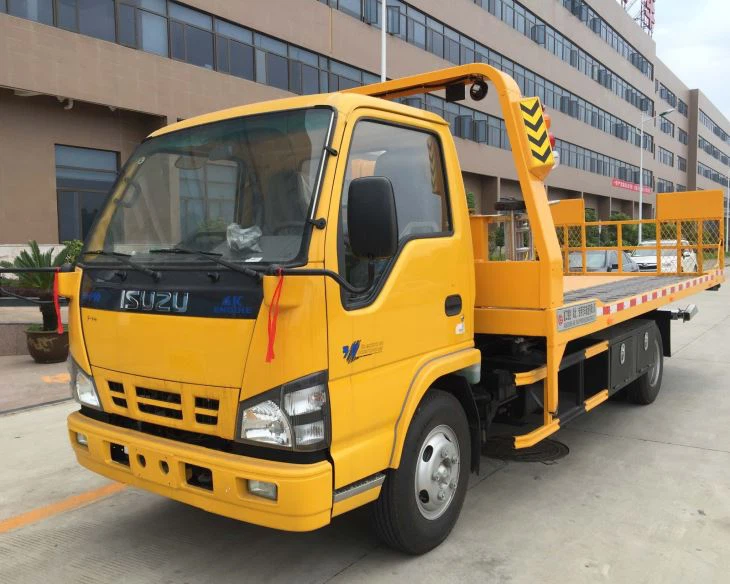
{"points": [[428, 372]]}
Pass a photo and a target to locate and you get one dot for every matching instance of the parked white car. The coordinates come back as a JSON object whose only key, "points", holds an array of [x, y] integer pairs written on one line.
{"points": [[646, 258]]}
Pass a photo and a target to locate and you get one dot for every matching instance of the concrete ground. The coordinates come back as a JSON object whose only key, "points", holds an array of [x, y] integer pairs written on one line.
{"points": [[643, 497], [25, 383]]}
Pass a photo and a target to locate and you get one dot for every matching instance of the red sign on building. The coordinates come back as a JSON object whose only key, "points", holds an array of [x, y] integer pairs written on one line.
{"points": [[629, 186]]}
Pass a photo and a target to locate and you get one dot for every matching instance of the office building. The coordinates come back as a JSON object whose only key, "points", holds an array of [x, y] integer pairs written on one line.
{"points": [[82, 82]]}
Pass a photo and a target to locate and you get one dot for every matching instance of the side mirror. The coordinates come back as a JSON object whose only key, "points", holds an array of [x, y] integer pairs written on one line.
{"points": [[372, 222], [613, 267]]}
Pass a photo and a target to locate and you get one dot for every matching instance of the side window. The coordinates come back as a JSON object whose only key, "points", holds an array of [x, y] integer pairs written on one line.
{"points": [[413, 161]]}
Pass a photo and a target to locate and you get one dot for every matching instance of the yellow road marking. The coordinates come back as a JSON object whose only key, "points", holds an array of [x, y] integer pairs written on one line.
{"points": [[60, 507], [58, 378]]}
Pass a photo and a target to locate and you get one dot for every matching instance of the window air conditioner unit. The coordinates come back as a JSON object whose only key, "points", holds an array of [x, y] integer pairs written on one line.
{"points": [[564, 104], [537, 34], [574, 58]]}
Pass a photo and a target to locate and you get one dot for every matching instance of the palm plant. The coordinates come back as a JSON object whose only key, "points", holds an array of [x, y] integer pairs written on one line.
{"points": [[38, 284]]}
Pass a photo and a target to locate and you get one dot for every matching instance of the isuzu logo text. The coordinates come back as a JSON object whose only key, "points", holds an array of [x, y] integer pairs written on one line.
{"points": [[154, 301]]}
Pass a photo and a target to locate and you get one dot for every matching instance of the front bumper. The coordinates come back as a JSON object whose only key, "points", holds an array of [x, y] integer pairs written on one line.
{"points": [[304, 490]]}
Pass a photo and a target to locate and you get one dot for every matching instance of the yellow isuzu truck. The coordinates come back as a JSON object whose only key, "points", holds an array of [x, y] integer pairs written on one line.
{"points": [[285, 310]]}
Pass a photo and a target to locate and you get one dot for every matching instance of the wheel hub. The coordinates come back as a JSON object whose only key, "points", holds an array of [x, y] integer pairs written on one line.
{"points": [[656, 368], [437, 472]]}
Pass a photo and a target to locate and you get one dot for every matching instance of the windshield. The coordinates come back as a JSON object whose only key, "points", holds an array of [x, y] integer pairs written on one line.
{"points": [[241, 188], [594, 259]]}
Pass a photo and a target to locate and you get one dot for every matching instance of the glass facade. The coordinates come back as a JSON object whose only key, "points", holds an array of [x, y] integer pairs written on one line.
{"points": [[418, 29], [177, 31], [713, 127], [170, 29], [584, 159], [712, 174], [83, 180], [712, 150], [593, 20]]}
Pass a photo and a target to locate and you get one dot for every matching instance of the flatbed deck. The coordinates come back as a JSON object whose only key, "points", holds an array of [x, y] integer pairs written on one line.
{"points": [[617, 287]]}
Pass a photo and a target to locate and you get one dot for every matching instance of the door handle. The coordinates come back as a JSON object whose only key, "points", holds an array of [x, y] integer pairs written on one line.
{"points": [[452, 305]]}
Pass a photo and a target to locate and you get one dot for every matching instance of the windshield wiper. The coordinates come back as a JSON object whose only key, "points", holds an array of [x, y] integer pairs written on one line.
{"points": [[212, 256], [124, 258]]}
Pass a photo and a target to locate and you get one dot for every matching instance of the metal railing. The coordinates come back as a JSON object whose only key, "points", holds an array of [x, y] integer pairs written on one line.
{"points": [[687, 246]]}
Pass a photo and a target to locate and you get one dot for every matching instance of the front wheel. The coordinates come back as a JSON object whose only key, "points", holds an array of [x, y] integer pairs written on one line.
{"points": [[421, 501]]}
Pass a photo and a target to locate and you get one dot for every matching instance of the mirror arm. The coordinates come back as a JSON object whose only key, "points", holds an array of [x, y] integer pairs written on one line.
{"points": [[276, 270]]}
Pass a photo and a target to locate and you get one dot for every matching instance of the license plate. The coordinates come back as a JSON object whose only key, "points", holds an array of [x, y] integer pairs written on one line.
{"points": [[576, 315]]}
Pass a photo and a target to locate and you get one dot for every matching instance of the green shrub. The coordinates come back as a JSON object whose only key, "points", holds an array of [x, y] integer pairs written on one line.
{"points": [[39, 284]]}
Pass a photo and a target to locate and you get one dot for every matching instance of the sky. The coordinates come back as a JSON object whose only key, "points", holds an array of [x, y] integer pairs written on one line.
{"points": [[693, 39]]}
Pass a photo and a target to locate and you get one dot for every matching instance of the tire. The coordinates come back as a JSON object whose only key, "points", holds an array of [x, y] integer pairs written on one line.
{"points": [[412, 520], [645, 390]]}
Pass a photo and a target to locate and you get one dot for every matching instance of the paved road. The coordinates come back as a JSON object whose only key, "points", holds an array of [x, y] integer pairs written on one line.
{"points": [[643, 497], [25, 383]]}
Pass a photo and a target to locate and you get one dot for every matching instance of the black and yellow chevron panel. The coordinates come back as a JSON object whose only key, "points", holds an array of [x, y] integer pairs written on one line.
{"points": [[541, 155]]}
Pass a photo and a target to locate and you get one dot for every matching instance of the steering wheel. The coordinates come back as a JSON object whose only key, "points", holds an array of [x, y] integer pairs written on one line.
{"points": [[299, 225]]}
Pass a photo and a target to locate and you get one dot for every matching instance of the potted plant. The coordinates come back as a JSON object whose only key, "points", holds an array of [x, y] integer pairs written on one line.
{"points": [[45, 345]]}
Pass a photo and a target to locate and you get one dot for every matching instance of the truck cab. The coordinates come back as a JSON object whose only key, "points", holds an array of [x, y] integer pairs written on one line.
{"points": [[183, 334]]}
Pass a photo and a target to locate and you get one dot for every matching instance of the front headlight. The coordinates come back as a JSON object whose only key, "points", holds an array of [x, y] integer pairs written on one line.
{"points": [[294, 416], [83, 389]]}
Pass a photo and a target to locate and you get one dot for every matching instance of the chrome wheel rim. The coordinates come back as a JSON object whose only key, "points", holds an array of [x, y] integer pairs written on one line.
{"points": [[657, 366], [437, 472]]}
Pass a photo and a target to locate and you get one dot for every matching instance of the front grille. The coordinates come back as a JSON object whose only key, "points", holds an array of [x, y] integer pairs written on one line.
{"points": [[157, 402], [159, 411], [116, 390], [197, 408], [157, 395]]}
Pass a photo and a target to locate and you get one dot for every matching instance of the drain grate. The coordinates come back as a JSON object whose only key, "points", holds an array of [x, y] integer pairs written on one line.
{"points": [[502, 448]]}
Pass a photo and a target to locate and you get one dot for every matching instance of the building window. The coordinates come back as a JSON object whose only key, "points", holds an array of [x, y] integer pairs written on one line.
{"points": [[664, 186], [666, 157], [83, 180], [666, 126], [191, 36], [90, 17], [682, 137], [682, 164], [142, 26], [38, 10], [682, 108], [234, 50]]}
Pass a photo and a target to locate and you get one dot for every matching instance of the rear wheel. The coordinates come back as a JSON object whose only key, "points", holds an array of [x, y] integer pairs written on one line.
{"points": [[421, 501], [644, 390]]}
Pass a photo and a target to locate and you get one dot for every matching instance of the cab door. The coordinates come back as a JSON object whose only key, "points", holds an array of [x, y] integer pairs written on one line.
{"points": [[415, 306]]}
